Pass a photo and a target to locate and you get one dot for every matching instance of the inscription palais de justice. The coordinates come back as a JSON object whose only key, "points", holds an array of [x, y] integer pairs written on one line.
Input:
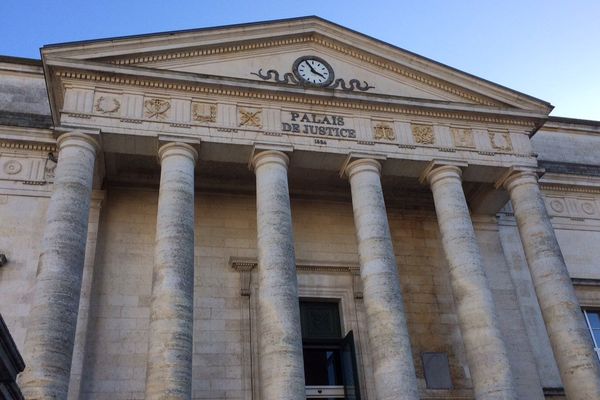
{"points": [[318, 124]]}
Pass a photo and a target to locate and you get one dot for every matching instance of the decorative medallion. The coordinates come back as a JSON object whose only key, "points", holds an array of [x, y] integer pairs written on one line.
{"points": [[463, 137], [500, 140], [313, 71], [423, 134], [107, 105], [383, 131], [203, 112], [250, 118], [156, 108], [557, 206], [588, 208], [12, 167]]}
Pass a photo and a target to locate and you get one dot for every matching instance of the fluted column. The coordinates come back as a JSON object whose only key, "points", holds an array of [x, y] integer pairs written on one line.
{"points": [[390, 347], [569, 336], [169, 368], [53, 317], [279, 335], [484, 346]]}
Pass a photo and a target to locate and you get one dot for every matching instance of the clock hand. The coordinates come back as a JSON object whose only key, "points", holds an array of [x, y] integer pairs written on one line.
{"points": [[314, 71]]}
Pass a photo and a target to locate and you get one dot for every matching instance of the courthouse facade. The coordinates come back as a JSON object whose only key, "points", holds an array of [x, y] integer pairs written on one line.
{"points": [[291, 210]]}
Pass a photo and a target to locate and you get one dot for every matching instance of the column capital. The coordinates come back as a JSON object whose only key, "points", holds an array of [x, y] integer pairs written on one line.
{"points": [[517, 175], [177, 148], [270, 156], [361, 165], [440, 169], [78, 139], [354, 159]]}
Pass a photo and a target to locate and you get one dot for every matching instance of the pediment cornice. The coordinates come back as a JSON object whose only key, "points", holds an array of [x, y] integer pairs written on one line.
{"points": [[127, 77], [147, 51]]}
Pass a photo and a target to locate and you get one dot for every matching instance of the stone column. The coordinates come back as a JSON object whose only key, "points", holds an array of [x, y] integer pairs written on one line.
{"points": [[390, 347], [569, 336], [53, 318], [485, 348], [169, 368], [279, 335]]}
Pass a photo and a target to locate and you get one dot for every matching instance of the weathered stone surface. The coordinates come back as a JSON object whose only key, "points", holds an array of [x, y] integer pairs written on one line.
{"points": [[169, 371], [53, 317], [486, 351], [280, 340], [391, 354], [569, 336]]}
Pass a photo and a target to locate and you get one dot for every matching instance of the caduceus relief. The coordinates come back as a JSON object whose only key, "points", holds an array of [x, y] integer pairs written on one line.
{"points": [[157, 108]]}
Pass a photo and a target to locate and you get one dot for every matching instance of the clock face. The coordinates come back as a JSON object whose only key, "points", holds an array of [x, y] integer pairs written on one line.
{"points": [[313, 71]]}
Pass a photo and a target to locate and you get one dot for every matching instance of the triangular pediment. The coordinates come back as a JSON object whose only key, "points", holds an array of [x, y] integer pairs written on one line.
{"points": [[277, 65], [266, 52]]}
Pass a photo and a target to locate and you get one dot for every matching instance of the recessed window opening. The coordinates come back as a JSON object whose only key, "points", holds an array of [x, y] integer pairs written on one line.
{"points": [[329, 358]]}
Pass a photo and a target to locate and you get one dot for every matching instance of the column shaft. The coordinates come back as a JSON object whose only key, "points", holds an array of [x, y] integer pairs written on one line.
{"points": [[387, 329], [53, 317], [485, 348], [569, 336], [280, 338], [169, 368]]}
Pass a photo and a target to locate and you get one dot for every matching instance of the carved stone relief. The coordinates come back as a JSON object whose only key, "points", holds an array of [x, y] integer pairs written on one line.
{"points": [[573, 207], [156, 108], [463, 137], [423, 134], [500, 140], [12, 167], [29, 169], [107, 105], [203, 112], [384, 131], [250, 117], [49, 170]]}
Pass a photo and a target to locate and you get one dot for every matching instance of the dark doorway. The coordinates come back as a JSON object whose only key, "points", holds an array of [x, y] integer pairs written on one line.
{"points": [[329, 358]]}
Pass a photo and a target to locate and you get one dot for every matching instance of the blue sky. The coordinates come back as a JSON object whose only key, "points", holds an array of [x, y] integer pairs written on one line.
{"points": [[549, 49]]}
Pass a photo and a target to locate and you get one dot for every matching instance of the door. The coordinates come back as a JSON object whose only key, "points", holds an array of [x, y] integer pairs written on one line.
{"points": [[349, 368], [329, 360]]}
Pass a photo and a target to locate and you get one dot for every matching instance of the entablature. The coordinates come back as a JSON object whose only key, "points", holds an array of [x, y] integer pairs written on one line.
{"points": [[334, 125]]}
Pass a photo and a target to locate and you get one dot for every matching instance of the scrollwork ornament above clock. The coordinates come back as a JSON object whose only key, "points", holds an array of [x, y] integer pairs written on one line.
{"points": [[313, 71]]}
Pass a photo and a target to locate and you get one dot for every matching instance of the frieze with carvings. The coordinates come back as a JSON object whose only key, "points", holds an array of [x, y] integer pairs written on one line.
{"points": [[423, 134], [157, 108], [463, 137], [250, 118], [384, 131], [573, 207], [32, 169], [500, 140], [296, 99], [203, 112], [107, 105]]}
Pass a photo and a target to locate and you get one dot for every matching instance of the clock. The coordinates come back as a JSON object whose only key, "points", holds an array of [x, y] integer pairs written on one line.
{"points": [[313, 71]]}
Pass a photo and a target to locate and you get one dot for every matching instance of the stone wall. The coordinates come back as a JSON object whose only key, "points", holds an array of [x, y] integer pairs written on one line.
{"points": [[21, 227], [115, 355]]}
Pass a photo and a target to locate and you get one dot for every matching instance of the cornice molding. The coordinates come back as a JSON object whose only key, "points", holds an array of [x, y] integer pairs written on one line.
{"points": [[243, 265], [569, 188], [15, 145]]}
